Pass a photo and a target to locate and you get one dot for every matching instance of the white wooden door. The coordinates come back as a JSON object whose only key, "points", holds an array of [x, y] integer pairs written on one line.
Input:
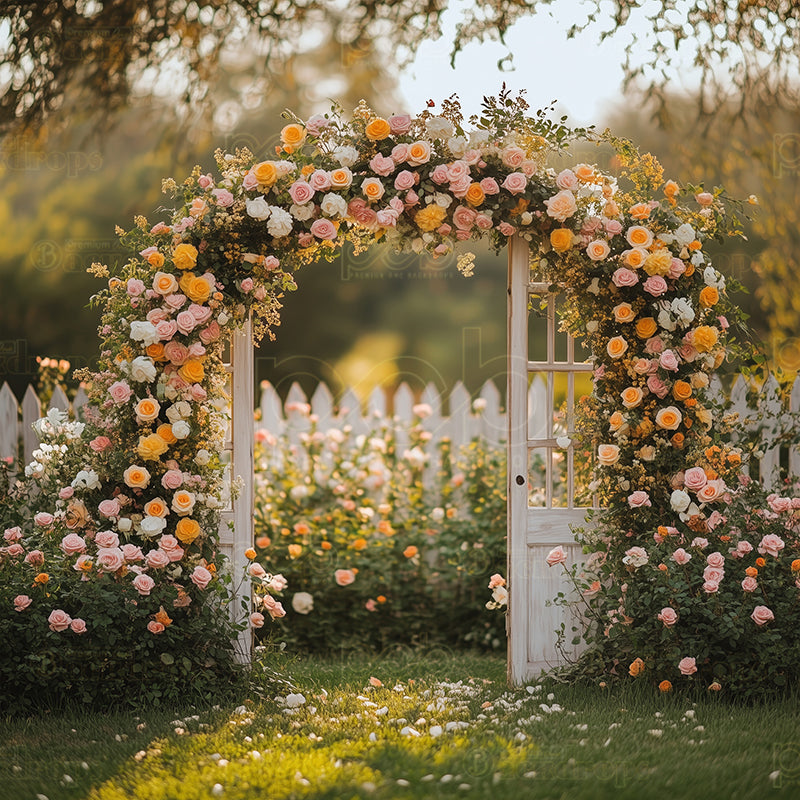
{"points": [[534, 531]]}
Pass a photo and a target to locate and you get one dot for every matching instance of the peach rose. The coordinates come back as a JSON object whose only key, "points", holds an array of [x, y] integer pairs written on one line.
{"points": [[373, 189], [632, 396], [156, 508], [711, 491], [183, 502], [164, 283], [608, 454], [669, 418], [155, 627], [136, 477], [344, 577], [635, 257], [147, 410], [562, 205], [639, 236], [617, 347], [419, 153], [598, 249], [623, 312], [584, 173]]}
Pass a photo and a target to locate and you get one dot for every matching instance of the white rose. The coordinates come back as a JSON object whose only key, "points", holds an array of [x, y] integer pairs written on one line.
{"points": [[665, 320], [685, 234], [439, 128], [303, 602], [681, 308], [303, 212], [257, 208], [152, 526], [280, 222], [698, 258], [346, 155], [180, 429], [592, 325], [143, 370], [222, 318], [500, 595], [679, 500], [124, 524], [437, 515], [443, 200], [202, 457], [145, 332], [333, 205], [86, 479], [457, 145], [478, 138], [179, 410], [298, 492]]}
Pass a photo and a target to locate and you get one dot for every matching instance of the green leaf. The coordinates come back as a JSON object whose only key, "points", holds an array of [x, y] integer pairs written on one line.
{"points": [[167, 658]]}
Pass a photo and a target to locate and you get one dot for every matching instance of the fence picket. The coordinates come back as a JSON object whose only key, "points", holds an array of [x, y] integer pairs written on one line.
{"points": [[794, 406], [9, 426], [31, 411], [770, 405]]}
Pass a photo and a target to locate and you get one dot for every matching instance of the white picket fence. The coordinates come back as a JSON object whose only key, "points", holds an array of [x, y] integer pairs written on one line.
{"points": [[452, 415]]}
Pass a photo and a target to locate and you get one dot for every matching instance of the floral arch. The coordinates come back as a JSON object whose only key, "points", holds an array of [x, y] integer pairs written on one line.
{"points": [[136, 530]]}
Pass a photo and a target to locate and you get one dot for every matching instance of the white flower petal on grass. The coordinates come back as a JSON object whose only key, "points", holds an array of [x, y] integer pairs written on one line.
{"points": [[217, 789], [435, 731], [295, 700], [656, 732]]}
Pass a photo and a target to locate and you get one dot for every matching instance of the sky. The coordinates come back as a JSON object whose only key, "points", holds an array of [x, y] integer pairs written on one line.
{"points": [[583, 74]]}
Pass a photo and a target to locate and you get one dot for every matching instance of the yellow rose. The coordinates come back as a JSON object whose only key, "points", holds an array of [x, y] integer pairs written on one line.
{"points": [[681, 390], [265, 173], [151, 447], [198, 290], [430, 217], [646, 327], [561, 239], [377, 129], [187, 530], [475, 195], [293, 135], [136, 477], [705, 338], [669, 418], [192, 371], [184, 256], [295, 550], [165, 432], [709, 296], [608, 454], [658, 262], [632, 396], [616, 347], [623, 312], [156, 508], [703, 416]]}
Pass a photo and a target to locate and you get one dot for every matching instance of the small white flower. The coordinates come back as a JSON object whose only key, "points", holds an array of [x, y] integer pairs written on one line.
{"points": [[295, 700], [685, 234], [181, 429], [280, 222], [346, 155], [257, 208], [303, 602]]}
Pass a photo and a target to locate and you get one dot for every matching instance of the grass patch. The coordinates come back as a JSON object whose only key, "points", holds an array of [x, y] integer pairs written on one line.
{"points": [[439, 725]]}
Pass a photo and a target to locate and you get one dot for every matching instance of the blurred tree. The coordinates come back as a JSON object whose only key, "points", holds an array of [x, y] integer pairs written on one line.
{"points": [[77, 56]]}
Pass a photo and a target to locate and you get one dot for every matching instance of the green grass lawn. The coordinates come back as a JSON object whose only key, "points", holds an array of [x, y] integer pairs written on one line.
{"points": [[439, 725]]}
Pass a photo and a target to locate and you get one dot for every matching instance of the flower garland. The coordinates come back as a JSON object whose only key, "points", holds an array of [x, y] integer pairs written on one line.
{"points": [[634, 267]]}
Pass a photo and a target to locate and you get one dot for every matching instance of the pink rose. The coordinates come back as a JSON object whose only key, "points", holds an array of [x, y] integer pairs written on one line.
{"points": [[66, 492], [404, 180], [762, 615], [460, 186], [21, 602], [316, 124], [106, 539], [613, 227], [382, 165], [78, 626], [109, 508], [256, 620], [699, 541], [143, 584], [657, 386], [59, 620], [668, 616], [399, 123], [483, 222], [223, 197], [202, 314], [344, 577], [644, 366], [323, 229], [676, 269], [12, 534], [155, 627], [176, 353], [680, 556], [35, 558], [713, 574], [506, 229], [704, 198], [655, 285], [412, 198], [15, 550], [560, 206], [710, 587], [72, 544], [361, 212], [399, 153], [320, 180], [516, 183], [771, 544], [556, 556], [654, 345], [714, 520], [566, 179], [100, 444], [687, 666], [43, 519], [156, 559], [201, 577], [496, 580], [185, 322], [624, 277], [669, 361], [300, 192], [716, 560], [439, 174], [198, 392], [489, 186], [457, 170], [132, 552], [749, 584], [695, 478], [639, 499], [205, 181], [174, 302], [110, 559], [210, 333], [172, 479], [513, 157], [166, 329], [464, 218], [156, 315], [274, 608]]}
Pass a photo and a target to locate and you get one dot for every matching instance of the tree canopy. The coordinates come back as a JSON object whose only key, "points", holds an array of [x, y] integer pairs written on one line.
{"points": [[94, 56]]}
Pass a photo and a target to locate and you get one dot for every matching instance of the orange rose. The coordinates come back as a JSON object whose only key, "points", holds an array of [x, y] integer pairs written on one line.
{"points": [[184, 256], [681, 390], [156, 508], [635, 257], [250, 553], [760, 562], [155, 260], [677, 440], [709, 296], [151, 447], [410, 551], [665, 686], [430, 217], [360, 543], [646, 327], [561, 239], [165, 432], [136, 477], [373, 189], [265, 173], [385, 527], [624, 313], [187, 530], [475, 195], [156, 351], [638, 236], [263, 541], [617, 347], [583, 172], [639, 211], [325, 545], [377, 129], [695, 245], [705, 338], [42, 578], [669, 418], [632, 396], [636, 668], [796, 565], [192, 371], [295, 550], [198, 290], [751, 572], [162, 617], [293, 135]]}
